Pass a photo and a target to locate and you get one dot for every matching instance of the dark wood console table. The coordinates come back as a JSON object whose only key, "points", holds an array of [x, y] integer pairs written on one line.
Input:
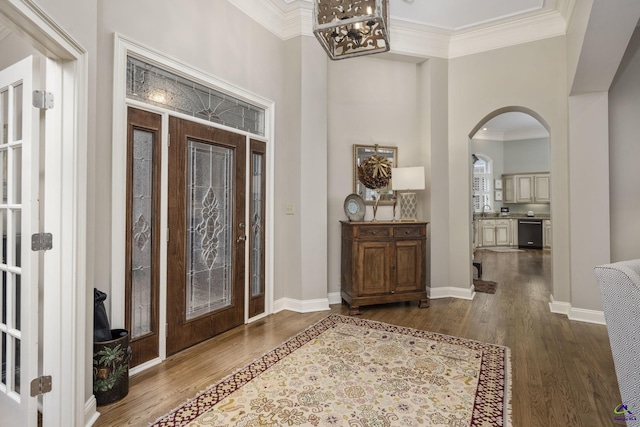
{"points": [[383, 262]]}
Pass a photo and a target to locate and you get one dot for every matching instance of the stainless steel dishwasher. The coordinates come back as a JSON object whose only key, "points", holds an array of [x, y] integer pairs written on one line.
{"points": [[530, 233]]}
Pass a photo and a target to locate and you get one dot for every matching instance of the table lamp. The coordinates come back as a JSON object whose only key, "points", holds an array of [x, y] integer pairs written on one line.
{"points": [[406, 180]]}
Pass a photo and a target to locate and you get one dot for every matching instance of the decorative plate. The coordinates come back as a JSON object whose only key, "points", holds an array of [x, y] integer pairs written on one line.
{"points": [[354, 207]]}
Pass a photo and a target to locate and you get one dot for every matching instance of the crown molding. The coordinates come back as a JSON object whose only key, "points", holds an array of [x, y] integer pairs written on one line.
{"points": [[264, 13], [298, 22], [511, 33], [419, 43], [4, 32], [418, 40]]}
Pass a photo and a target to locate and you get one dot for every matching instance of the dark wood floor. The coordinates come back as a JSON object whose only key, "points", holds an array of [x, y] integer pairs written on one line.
{"points": [[563, 372]]}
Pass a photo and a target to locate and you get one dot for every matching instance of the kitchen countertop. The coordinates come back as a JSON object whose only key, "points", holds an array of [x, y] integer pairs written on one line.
{"points": [[510, 215]]}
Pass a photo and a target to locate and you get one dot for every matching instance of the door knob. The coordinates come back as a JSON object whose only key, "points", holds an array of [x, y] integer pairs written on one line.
{"points": [[241, 239]]}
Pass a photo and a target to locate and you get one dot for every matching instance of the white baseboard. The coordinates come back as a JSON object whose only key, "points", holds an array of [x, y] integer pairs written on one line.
{"points": [[146, 365], [334, 297], [301, 306], [577, 314], [451, 292], [90, 411]]}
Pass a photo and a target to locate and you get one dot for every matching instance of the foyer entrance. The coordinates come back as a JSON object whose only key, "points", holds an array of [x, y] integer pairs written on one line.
{"points": [[207, 233]]}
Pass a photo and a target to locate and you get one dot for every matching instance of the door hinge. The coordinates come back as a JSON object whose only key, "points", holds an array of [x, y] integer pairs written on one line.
{"points": [[41, 241], [42, 99], [41, 385]]}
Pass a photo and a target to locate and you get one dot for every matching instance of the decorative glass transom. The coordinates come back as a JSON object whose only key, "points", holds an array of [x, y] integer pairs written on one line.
{"points": [[153, 85]]}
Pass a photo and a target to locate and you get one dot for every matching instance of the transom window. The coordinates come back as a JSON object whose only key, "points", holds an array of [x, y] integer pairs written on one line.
{"points": [[153, 85]]}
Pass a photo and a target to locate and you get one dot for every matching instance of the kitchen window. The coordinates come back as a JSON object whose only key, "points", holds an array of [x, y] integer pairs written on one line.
{"points": [[482, 184]]}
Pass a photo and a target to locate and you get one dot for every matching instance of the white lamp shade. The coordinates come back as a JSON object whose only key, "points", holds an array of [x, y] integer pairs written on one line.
{"points": [[411, 178]]}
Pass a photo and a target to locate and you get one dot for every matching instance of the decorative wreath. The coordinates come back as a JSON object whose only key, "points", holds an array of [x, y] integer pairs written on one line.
{"points": [[375, 171]]}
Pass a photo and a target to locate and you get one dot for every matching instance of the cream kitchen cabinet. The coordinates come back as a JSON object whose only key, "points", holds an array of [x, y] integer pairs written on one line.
{"points": [[495, 232], [546, 233], [541, 187], [526, 188]]}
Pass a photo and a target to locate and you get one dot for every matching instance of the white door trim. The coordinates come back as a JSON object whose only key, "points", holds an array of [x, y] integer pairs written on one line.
{"points": [[122, 47], [66, 357]]}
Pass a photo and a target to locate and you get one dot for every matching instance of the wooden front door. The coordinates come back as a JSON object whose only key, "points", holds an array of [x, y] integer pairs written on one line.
{"points": [[206, 247]]}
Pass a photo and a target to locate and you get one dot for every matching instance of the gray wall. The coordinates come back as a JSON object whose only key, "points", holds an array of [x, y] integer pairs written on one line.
{"points": [[527, 155], [624, 152]]}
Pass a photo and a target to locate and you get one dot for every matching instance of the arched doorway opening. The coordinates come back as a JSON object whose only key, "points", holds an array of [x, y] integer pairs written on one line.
{"points": [[510, 201]]}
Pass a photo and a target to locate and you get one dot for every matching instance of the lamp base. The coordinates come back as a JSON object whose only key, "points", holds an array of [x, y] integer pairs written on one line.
{"points": [[408, 207]]}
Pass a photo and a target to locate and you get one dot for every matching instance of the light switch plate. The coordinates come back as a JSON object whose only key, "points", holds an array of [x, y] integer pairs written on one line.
{"points": [[289, 209]]}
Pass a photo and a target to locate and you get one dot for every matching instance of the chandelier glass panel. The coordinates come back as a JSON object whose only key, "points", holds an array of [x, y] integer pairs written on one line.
{"points": [[348, 28]]}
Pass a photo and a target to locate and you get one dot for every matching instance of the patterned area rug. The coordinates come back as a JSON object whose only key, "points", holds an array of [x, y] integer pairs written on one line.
{"points": [[346, 371], [484, 286]]}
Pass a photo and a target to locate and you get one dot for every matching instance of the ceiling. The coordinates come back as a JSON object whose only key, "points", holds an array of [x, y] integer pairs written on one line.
{"points": [[456, 16], [512, 126], [462, 15]]}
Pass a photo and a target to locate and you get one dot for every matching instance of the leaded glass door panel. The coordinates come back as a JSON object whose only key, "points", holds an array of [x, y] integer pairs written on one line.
{"points": [[256, 229], [143, 234], [205, 266]]}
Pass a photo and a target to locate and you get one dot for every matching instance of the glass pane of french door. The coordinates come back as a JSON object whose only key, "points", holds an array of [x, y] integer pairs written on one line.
{"points": [[19, 216]]}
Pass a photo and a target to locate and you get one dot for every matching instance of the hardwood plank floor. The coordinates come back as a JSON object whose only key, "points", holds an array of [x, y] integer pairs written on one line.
{"points": [[562, 371]]}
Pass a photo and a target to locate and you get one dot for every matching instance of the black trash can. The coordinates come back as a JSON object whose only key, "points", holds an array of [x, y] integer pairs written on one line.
{"points": [[111, 367]]}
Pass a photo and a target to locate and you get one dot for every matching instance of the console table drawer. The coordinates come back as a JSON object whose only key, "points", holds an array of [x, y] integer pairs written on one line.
{"points": [[372, 232], [408, 231]]}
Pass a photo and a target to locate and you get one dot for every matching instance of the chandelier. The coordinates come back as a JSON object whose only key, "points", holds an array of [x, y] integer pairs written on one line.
{"points": [[348, 28]]}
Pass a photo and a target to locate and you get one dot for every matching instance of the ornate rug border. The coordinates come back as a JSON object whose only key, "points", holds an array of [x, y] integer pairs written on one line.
{"points": [[495, 371]]}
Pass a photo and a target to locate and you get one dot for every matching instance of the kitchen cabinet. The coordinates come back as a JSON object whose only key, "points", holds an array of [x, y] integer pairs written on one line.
{"points": [[503, 232], [383, 262], [488, 232], [497, 232], [526, 188], [509, 189], [546, 233], [542, 188]]}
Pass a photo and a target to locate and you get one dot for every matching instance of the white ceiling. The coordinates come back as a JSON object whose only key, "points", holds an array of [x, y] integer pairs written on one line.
{"points": [[460, 15], [455, 16], [512, 126]]}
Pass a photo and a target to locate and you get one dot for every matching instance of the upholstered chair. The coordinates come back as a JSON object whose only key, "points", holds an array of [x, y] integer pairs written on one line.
{"points": [[619, 285]]}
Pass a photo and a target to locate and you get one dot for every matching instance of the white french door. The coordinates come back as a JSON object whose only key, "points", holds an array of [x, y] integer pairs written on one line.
{"points": [[19, 183]]}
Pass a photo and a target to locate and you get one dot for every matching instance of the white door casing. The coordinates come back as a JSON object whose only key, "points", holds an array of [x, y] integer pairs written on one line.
{"points": [[67, 338]]}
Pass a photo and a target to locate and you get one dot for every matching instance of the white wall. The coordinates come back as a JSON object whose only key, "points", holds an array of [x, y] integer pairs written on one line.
{"points": [[371, 101], [589, 182], [624, 152], [530, 76]]}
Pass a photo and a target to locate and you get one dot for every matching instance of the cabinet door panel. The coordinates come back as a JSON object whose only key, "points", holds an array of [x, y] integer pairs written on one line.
{"points": [[409, 266], [488, 235], [542, 189], [524, 189], [502, 235], [373, 267]]}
